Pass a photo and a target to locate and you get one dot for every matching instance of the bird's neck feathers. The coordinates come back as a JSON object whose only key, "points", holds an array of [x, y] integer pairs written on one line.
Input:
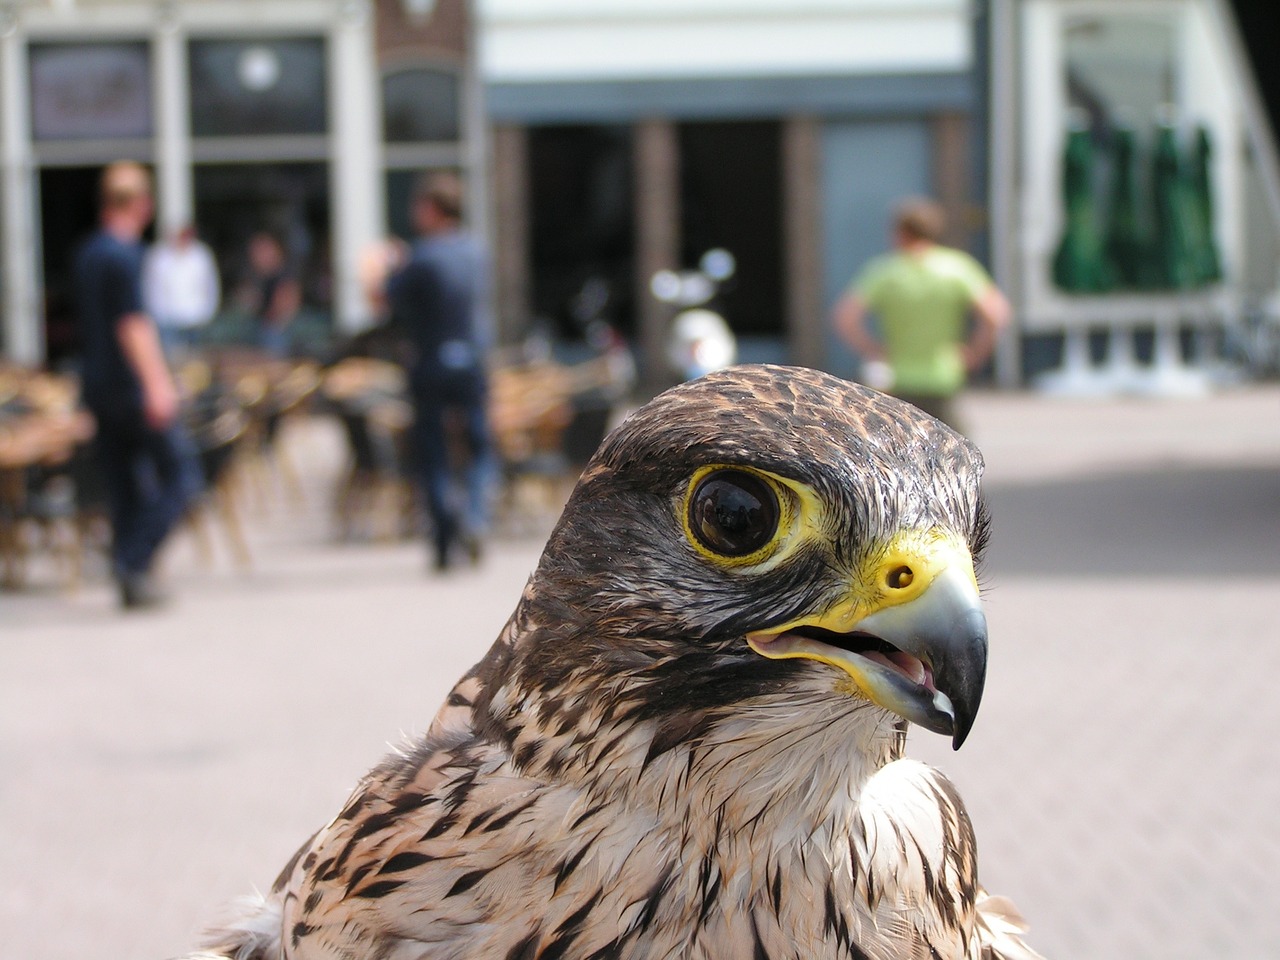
{"points": [[794, 751], [761, 810]]}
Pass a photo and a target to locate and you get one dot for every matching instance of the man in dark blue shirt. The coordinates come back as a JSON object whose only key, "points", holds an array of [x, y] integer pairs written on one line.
{"points": [[149, 465], [438, 298]]}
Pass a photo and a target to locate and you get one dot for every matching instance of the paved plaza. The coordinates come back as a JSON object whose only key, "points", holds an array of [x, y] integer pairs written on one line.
{"points": [[1123, 775]]}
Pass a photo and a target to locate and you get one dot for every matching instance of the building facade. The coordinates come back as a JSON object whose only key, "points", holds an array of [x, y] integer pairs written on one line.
{"points": [[610, 141], [632, 136], [303, 118], [1132, 146]]}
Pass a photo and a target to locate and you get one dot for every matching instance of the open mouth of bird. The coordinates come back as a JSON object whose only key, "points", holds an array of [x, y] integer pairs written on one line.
{"points": [[865, 645], [923, 657], [889, 676]]}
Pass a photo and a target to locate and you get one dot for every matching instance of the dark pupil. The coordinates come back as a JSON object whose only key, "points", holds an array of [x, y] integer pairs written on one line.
{"points": [[734, 513]]}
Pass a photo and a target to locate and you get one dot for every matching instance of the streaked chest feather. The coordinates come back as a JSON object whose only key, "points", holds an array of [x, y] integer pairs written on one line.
{"points": [[759, 840]]}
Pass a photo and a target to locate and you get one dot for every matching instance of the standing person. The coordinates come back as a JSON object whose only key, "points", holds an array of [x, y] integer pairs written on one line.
{"points": [[437, 298], [923, 294], [180, 289], [148, 462], [276, 293]]}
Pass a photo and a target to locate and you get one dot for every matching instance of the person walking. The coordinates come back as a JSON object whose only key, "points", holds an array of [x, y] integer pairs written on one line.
{"points": [[180, 289], [923, 294], [148, 462], [438, 299]]}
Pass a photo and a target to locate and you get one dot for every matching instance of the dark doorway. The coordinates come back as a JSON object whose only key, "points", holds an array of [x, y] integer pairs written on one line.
{"points": [[1256, 20], [68, 215], [731, 197], [582, 226]]}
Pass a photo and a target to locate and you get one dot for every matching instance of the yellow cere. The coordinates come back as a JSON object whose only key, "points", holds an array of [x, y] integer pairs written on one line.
{"points": [[898, 573]]}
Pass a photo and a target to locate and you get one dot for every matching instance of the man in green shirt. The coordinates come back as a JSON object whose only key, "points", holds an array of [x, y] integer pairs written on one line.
{"points": [[923, 294]]}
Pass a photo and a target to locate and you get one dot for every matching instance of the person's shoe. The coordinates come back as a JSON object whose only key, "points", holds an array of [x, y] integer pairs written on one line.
{"points": [[474, 547], [442, 554], [139, 591]]}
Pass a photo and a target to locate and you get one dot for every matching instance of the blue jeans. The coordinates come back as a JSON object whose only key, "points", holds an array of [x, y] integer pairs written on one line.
{"points": [[461, 394], [151, 477], [274, 341]]}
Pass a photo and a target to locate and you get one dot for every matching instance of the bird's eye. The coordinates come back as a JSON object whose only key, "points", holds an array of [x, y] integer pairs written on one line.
{"points": [[733, 513]]}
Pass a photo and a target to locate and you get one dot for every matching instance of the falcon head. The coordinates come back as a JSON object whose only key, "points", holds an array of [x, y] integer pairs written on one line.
{"points": [[759, 530]]}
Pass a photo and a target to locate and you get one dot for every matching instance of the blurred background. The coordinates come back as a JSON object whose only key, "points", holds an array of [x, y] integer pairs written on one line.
{"points": [[604, 143], [1114, 165]]}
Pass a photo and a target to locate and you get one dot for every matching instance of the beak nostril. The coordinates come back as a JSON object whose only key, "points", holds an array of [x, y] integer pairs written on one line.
{"points": [[900, 577]]}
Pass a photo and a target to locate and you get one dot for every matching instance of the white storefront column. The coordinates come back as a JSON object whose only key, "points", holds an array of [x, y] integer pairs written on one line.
{"points": [[355, 176], [475, 138], [1002, 160], [22, 321], [173, 130]]}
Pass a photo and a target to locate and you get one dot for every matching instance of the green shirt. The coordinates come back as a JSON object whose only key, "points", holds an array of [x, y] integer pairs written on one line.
{"points": [[923, 303]]}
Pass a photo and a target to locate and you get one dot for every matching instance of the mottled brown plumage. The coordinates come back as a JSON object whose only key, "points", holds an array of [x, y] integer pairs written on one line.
{"points": [[686, 743]]}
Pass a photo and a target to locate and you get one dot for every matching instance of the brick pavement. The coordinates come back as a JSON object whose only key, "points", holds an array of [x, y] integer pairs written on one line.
{"points": [[1121, 775]]}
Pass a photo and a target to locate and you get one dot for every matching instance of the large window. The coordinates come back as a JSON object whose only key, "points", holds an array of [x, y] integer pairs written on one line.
{"points": [[90, 91], [288, 202], [421, 131], [259, 125], [1120, 70], [91, 103], [399, 191], [257, 87], [420, 105]]}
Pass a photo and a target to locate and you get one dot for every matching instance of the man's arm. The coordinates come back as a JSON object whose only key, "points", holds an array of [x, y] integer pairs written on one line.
{"points": [[850, 320], [991, 311], [140, 345]]}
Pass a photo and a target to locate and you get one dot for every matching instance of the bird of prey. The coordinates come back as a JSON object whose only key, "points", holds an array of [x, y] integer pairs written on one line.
{"points": [[687, 742]]}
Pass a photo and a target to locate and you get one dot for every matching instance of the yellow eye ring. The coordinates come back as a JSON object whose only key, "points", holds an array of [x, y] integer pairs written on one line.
{"points": [[736, 515]]}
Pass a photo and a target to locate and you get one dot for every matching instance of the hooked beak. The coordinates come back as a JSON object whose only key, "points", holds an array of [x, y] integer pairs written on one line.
{"points": [[916, 646]]}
